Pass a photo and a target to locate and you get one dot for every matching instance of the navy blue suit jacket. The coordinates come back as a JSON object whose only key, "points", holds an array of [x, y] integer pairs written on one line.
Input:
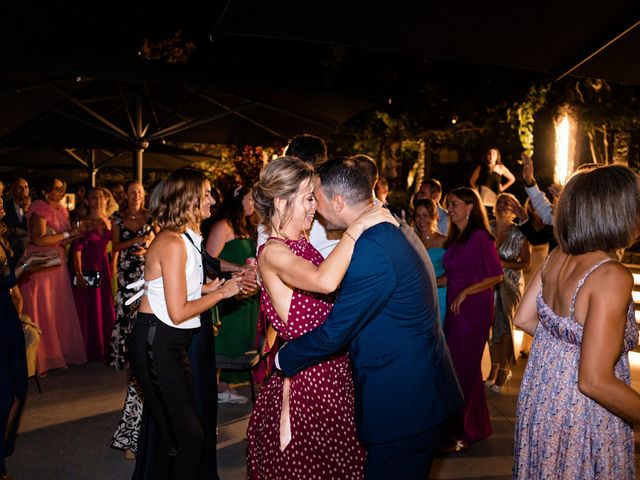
{"points": [[386, 313], [13, 223]]}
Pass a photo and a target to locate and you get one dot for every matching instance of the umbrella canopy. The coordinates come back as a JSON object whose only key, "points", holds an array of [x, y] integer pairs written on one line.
{"points": [[145, 104]]}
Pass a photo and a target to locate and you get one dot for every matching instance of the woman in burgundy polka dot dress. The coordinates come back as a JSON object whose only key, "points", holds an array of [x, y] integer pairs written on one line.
{"points": [[302, 427]]}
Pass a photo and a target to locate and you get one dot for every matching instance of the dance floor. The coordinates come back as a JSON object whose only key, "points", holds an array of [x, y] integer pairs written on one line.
{"points": [[66, 429]]}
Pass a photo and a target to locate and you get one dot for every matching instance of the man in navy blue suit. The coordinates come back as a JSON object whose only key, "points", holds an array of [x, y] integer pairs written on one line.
{"points": [[386, 313], [16, 216]]}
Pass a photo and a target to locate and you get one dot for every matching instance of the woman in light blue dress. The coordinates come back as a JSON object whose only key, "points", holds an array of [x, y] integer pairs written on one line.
{"points": [[425, 220]]}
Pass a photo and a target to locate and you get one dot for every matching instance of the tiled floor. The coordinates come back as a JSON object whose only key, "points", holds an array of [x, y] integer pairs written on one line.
{"points": [[66, 432]]}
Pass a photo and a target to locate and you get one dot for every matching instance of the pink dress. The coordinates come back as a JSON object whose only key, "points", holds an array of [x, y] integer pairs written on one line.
{"points": [[323, 434], [95, 305], [48, 299]]}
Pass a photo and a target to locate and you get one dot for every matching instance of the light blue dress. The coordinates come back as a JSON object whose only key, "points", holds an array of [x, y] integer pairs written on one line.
{"points": [[436, 254]]}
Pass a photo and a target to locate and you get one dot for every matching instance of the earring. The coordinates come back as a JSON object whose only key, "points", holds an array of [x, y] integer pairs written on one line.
{"points": [[467, 215]]}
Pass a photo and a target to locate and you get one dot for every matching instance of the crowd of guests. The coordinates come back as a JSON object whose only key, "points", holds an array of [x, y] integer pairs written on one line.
{"points": [[129, 283]]}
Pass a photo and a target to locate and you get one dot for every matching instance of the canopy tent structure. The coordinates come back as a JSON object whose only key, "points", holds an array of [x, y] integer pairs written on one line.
{"points": [[266, 70], [597, 40], [32, 160], [146, 105]]}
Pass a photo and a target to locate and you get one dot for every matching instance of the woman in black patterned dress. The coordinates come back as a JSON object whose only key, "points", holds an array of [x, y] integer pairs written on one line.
{"points": [[132, 234]]}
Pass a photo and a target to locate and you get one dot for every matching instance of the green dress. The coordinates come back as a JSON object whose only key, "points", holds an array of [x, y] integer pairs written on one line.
{"points": [[239, 318]]}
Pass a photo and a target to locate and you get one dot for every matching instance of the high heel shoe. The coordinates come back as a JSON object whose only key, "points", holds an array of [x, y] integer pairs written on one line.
{"points": [[502, 382], [458, 446], [493, 374]]}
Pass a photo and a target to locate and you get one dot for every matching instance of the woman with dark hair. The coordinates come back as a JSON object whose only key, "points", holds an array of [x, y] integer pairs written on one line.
{"points": [[175, 295], [472, 267], [486, 179], [232, 240], [425, 219], [576, 406], [48, 298]]}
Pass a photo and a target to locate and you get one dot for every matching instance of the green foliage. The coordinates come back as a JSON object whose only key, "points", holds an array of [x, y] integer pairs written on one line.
{"points": [[522, 114], [232, 165]]}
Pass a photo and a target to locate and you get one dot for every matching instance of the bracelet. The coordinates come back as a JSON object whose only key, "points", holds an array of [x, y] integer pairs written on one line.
{"points": [[65, 235], [346, 232], [25, 267], [530, 185]]}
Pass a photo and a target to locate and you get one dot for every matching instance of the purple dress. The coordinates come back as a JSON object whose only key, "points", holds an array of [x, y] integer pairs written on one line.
{"points": [[95, 305], [467, 333], [560, 432]]}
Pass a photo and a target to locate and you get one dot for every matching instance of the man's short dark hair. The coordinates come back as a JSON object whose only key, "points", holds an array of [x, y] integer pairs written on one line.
{"points": [[308, 148], [346, 177], [369, 164], [434, 185]]}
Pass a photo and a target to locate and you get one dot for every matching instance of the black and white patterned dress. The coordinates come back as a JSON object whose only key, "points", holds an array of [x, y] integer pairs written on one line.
{"points": [[130, 269]]}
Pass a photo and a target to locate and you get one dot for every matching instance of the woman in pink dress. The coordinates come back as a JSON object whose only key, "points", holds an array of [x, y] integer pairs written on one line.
{"points": [[304, 426], [48, 299], [95, 305]]}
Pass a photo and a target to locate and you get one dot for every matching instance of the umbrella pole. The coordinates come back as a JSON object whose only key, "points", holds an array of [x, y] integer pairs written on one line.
{"points": [[137, 164], [92, 167], [140, 143]]}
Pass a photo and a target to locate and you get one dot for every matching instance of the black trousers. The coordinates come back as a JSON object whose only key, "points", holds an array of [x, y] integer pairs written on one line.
{"points": [[407, 458], [159, 361]]}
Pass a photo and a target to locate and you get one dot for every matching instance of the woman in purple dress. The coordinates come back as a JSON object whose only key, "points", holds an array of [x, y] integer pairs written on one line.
{"points": [[472, 267], [303, 426], [95, 305], [576, 405]]}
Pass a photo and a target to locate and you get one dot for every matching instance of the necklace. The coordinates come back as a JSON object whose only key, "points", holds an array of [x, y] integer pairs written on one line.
{"points": [[131, 216]]}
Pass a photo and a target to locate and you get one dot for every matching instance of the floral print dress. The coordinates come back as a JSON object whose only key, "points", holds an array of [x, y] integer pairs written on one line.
{"points": [[130, 269], [560, 432]]}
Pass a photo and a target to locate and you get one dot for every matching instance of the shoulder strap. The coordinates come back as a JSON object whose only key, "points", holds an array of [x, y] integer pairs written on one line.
{"points": [[581, 282], [544, 266], [186, 234]]}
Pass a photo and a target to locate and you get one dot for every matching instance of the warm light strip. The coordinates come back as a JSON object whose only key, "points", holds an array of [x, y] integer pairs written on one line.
{"points": [[636, 278], [561, 169], [636, 296]]}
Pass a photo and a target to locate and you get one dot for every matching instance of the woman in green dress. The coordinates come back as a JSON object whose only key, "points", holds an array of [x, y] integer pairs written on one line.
{"points": [[232, 239]]}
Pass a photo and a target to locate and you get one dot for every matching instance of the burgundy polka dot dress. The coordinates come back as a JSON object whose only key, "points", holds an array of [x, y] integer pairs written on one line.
{"points": [[323, 435]]}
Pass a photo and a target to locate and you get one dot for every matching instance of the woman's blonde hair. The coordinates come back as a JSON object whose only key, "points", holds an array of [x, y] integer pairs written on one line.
{"points": [[111, 205], [177, 201], [281, 178]]}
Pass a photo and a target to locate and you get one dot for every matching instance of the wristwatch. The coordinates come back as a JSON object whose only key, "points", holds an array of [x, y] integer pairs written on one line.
{"points": [[529, 185], [25, 267]]}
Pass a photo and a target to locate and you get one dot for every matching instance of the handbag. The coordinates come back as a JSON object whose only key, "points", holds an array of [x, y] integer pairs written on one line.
{"points": [[210, 264], [91, 277]]}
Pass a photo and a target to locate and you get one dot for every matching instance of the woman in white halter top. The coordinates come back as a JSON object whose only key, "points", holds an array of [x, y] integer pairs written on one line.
{"points": [[175, 294]]}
